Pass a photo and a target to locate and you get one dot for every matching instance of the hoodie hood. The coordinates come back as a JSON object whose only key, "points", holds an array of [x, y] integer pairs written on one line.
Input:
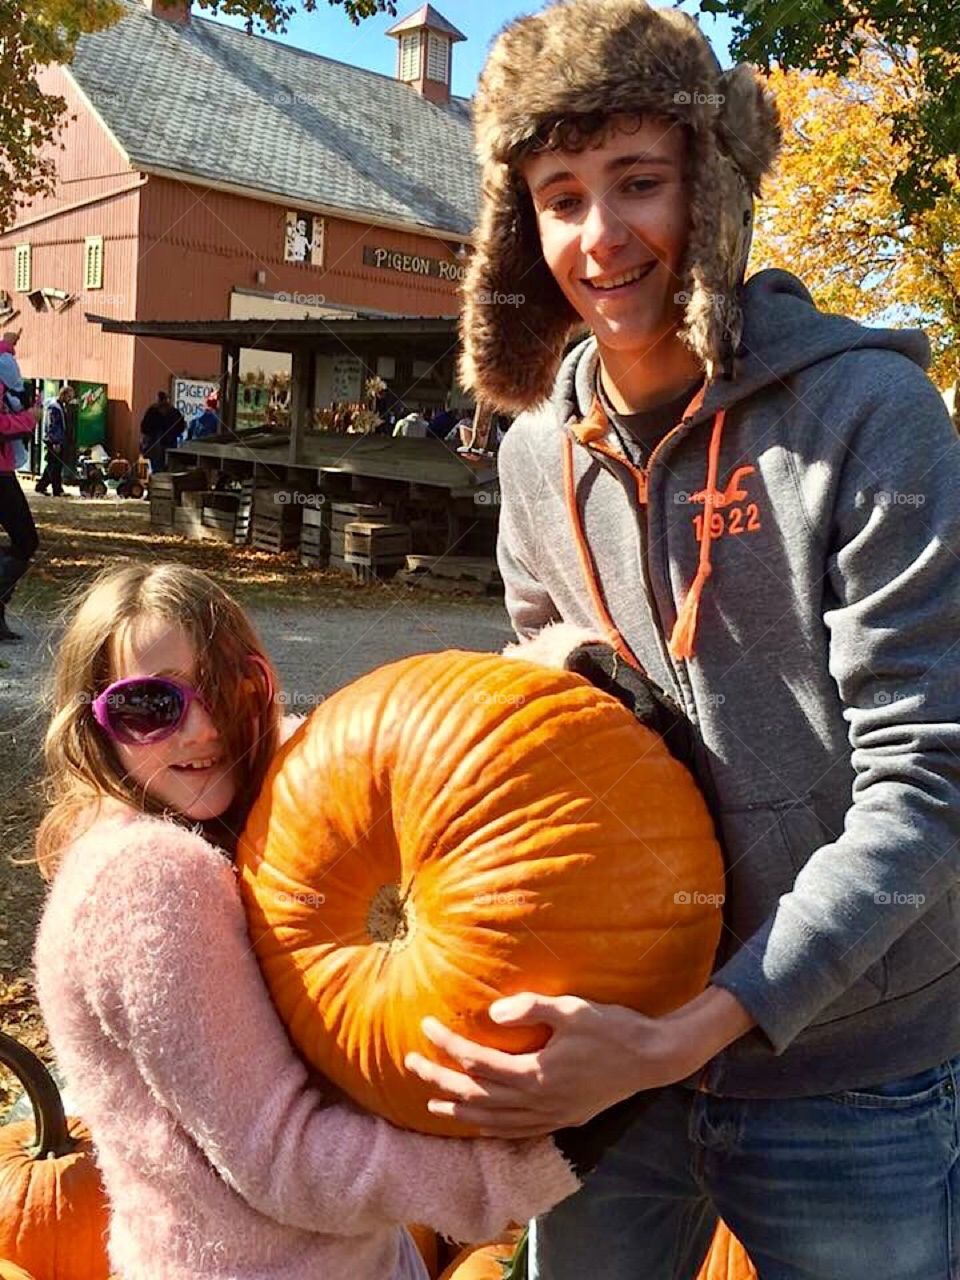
{"points": [[784, 333]]}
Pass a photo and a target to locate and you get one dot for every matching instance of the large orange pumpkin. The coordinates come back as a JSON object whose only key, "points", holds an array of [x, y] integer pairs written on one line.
{"points": [[53, 1211], [457, 827], [727, 1259]]}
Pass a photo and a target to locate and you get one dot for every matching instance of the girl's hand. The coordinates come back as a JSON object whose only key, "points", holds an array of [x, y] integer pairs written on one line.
{"points": [[596, 1056]]}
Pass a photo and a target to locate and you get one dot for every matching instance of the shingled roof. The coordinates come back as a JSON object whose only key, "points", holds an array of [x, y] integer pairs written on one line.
{"points": [[205, 100]]}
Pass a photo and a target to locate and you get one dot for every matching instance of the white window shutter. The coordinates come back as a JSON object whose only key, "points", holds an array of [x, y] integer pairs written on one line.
{"points": [[93, 262], [410, 55], [22, 269], [438, 57]]}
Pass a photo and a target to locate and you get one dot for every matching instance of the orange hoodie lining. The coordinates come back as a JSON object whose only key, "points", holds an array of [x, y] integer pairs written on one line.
{"points": [[591, 432]]}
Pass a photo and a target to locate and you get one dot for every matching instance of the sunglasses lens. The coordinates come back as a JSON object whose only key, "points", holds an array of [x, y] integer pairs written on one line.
{"points": [[145, 710]]}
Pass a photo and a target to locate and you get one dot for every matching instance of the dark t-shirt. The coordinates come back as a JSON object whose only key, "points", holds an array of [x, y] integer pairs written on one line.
{"points": [[640, 433]]}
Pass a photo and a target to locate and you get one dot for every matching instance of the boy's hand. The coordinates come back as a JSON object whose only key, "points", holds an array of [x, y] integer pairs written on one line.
{"points": [[596, 1056]]}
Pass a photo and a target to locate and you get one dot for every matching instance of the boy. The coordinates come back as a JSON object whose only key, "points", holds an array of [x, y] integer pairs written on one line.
{"points": [[756, 503]]}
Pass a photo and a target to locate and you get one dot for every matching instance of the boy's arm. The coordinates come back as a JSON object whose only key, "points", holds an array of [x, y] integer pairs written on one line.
{"points": [[892, 561]]}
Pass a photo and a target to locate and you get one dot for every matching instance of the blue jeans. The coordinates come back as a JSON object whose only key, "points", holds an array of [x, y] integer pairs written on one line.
{"points": [[861, 1185]]}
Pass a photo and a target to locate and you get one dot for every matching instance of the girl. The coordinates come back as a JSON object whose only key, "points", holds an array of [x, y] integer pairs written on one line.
{"points": [[220, 1157]]}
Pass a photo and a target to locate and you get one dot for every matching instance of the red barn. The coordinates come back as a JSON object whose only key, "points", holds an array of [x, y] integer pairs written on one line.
{"points": [[212, 174]]}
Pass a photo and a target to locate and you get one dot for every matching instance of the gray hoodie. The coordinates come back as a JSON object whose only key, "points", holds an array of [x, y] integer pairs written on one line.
{"points": [[825, 683]]}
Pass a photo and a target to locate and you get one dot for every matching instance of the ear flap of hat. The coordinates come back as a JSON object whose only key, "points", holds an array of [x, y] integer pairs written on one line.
{"points": [[748, 124], [721, 228], [515, 320]]}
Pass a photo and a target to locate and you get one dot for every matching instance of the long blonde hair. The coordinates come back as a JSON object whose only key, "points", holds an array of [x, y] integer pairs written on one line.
{"points": [[82, 765]]}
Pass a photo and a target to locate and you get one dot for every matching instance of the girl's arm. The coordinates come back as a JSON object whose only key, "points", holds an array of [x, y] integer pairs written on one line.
{"points": [[165, 961], [18, 424]]}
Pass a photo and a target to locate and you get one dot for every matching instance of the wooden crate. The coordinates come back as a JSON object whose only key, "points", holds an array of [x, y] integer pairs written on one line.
{"points": [[369, 542], [244, 511], [274, 535], [316, 515], [171, 485], [344, 513], [187, 521], [161, 512], [314, 546], [367, 571], [219, 525]]}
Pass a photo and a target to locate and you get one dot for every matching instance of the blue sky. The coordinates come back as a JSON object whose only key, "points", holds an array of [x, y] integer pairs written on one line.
{"points": [[329, 31]]}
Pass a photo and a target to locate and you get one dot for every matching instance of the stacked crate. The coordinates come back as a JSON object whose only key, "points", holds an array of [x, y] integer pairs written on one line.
{"points": [[220, 516], [276, 516], [342, 514], [315, 534], [376, 549], [167, 489], [244, 525]]}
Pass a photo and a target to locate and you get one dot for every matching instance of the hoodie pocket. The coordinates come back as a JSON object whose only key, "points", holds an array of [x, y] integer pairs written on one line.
{"points": [[766, 845]]}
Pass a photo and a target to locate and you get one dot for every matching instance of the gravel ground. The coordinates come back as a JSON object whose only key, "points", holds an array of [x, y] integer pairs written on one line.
{"points": [[320, 633]]}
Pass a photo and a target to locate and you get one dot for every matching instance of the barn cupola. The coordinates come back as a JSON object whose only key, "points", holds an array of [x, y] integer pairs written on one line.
{"points": [[425, 41]]}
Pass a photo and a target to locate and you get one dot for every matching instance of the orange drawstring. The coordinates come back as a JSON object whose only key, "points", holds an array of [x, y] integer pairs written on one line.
{"points": [[685, 628], [683, 636], [614, 637]]}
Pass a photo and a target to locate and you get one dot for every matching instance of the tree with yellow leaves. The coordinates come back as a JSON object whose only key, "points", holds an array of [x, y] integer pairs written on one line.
{"points": [[830, 215]]}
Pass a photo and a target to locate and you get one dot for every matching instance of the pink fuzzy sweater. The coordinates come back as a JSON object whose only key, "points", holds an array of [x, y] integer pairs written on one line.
{"points": [[220, 1157]]}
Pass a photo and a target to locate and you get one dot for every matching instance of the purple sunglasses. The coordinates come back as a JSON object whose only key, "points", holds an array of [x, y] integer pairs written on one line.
{"points": [[142, 710]]}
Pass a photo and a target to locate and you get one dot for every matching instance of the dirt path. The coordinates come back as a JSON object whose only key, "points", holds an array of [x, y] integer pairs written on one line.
{"points": [[320, 631]]}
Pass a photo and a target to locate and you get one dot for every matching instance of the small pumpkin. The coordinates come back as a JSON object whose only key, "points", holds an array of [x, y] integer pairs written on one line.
{"points": [[727, 1259], [428, 1246], [53, 1210], [484, 1262], [456, 827]]}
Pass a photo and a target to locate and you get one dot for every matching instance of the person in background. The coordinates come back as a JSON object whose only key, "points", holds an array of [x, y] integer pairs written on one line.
{"points": [[206, 422], [160, 429], [54, 437], [412, 427], [443, 421], [16, 424]]}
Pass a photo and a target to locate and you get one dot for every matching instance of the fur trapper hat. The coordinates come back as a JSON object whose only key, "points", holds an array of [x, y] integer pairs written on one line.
{"points": [[577, 58]]}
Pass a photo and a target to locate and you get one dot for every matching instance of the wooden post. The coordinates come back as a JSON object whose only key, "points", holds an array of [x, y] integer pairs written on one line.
{"points": [[233, 393], [301, 400]]}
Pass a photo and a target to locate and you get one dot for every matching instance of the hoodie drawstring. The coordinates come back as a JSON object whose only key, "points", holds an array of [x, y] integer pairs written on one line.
{"points": [[683, 636], [682, 643]]}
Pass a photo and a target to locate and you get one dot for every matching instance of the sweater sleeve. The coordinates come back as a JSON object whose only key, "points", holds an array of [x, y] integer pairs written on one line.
{"points": [[165, 962], [17, 424], [892, 565], [526, 598]]}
